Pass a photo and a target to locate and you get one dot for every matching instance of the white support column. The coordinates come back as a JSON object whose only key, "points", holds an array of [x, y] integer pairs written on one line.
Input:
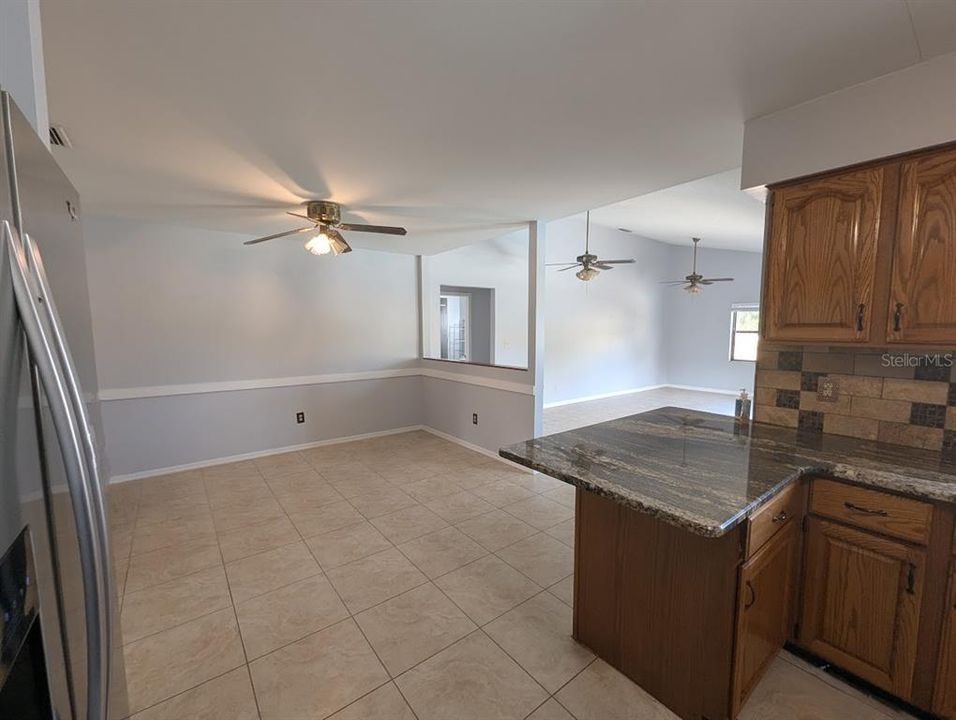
{"points": [[21, 61], [537, 238]]}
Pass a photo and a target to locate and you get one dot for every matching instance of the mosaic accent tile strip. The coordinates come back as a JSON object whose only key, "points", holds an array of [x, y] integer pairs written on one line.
{"points": [[899, 397]]}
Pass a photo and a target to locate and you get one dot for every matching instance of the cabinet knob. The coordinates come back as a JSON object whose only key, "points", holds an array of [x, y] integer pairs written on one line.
{"points": [[860, 317], [781, 516], [898, 318]]}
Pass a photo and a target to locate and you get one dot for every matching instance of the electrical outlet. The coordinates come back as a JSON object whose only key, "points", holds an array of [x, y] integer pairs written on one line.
{"points": [[474, 418], [300, 417], [828, 389]]}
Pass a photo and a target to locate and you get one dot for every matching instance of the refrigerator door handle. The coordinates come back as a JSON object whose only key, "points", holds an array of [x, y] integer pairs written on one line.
{"points": [[69, 439], [71, 378]]}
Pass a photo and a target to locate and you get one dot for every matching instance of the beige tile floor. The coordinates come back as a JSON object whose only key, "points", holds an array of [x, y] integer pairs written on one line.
{"points": [[566, 417], [390, 579]]}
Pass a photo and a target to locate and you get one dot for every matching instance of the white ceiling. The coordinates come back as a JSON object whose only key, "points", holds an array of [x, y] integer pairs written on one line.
{"points": [[456, 118], [713, 208]]}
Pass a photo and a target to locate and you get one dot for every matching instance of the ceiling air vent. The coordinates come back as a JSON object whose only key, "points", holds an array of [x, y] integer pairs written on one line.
{"points": [[58, 136]]}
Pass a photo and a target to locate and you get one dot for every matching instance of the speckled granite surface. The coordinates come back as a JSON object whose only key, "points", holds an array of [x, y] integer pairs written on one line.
{"points": [[692, 469]]}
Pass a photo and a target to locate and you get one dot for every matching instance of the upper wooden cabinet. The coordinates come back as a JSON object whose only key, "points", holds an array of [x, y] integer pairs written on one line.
{"points": [[923, 286], [821, 259], [865, 256]]}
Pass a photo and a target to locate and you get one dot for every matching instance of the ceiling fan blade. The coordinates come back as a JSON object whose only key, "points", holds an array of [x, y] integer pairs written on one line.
{"points": [[278, 235], [673, 282], [300, 215], [713, 280], [571, 267], [601, 265], [337, 242], [619, 262], [384, 229], [561, 263]]}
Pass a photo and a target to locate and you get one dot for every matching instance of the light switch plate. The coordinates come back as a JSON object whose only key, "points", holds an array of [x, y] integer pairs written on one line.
{"points": [[828, 389]]}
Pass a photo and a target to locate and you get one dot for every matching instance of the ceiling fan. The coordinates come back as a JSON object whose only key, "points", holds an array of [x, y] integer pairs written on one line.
{"points": [[590, 265], [325, 217], [694, 282]]}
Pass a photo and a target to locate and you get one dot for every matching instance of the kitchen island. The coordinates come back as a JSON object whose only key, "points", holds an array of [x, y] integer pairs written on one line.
{"points": [[702, 547]]}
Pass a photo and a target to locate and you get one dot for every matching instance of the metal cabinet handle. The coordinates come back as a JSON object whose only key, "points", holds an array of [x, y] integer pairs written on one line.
{"points": [[781, 516], [911, 579], [753, 596], [860, 316], [866, 511], [898, 318], [74, 460]]}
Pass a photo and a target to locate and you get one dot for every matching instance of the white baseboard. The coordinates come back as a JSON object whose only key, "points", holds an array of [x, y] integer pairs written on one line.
{"points": [[603, 396], [261, 453], [629, 391], [715, 391], [306, 446], [475, 448]]}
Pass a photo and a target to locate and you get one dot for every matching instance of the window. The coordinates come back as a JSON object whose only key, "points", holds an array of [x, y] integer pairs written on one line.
{"points": [[744, 331]]}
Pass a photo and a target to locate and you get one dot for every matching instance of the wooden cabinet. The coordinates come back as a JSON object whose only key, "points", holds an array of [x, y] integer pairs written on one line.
{"points": [[944, 699], [861, 603], [821, 258], [764, 609], [867, 255], [923, 279]]}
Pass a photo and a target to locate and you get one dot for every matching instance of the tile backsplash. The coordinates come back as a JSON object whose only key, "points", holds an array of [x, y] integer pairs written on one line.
{"points": [[895, 396]]}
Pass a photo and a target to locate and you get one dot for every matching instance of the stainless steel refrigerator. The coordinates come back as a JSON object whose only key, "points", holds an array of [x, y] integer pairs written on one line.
{"points": [[59, 638]]}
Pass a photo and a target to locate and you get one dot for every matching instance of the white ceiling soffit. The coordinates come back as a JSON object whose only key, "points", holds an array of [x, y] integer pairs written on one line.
{"points": [[713, 208], [459, 119]]}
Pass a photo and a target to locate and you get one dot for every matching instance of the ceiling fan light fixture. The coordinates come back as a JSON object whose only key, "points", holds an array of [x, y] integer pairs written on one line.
{"points": [[587, 273], [693, 289], [320, 244]]}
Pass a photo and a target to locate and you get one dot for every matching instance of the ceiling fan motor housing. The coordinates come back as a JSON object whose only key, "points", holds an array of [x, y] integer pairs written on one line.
{"points": [[323, 211]]}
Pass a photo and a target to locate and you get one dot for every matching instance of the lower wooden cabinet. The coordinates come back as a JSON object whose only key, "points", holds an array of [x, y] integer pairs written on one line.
{"points": [[765, 600], [861, 603], [944, 699]]}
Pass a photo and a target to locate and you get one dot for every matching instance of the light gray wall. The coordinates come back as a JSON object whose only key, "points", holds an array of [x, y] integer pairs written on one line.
{"points": [[177, 306], [602, 336], [697, 327], [147, 434], [21, 60], [504, 417]]}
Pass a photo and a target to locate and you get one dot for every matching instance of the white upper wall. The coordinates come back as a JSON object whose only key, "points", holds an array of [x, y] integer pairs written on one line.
{"points": [[697, 327], [625, 330], [175, 305], [21, 60], [500, 264], [905, 110], [604, 335]]}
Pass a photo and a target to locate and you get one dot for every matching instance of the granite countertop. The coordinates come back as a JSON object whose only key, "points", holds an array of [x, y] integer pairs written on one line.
{"points": [[695, 470]]}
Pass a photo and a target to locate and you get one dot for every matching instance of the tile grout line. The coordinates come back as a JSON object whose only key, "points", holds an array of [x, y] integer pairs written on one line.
{"points": [[235, 614]]}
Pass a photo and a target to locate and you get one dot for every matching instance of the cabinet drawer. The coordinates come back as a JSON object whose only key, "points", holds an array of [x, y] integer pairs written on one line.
{"points": [[881, 512], [783, 510]]}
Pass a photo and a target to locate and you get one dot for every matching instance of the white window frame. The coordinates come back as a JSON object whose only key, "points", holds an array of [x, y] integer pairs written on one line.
{"points": [[734, 309]]}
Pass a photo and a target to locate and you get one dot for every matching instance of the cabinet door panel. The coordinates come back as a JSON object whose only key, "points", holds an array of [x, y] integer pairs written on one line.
{"points": [[822, 258], [764, 609], [923, 286], [861, 603], [944, 696]]}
